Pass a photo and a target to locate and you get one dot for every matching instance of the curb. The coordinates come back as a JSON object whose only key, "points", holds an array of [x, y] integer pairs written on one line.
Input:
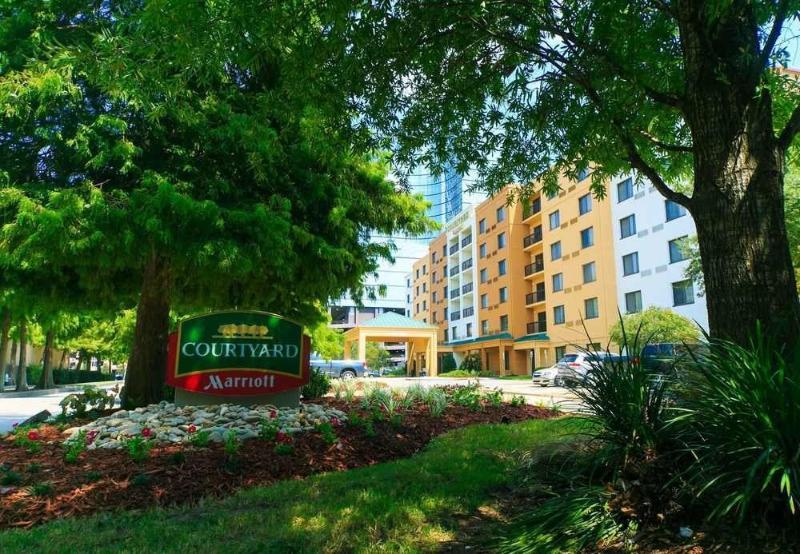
{"points": [[44, 392]]}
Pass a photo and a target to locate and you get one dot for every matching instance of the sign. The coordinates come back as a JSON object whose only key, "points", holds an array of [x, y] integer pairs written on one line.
{"points": [[238, 353]]}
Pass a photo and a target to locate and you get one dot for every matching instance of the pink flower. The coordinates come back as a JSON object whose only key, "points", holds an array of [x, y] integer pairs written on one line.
{"points": [[90, 436], [192, 428], [33, 435], [335, 421], [147, 433], [283, 437], [273, 414]]}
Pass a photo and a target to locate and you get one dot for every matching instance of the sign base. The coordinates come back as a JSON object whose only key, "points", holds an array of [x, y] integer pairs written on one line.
{"points": [[286, 399]]}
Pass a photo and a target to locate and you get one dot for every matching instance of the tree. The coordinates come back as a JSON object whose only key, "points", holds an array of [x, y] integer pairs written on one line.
{"points": [[684, 92], [158, 159], [377, 356], [327, 342], [656, 325]]}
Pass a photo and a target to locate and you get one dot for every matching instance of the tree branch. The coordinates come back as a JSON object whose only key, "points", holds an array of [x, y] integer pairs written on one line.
{"points": [[665, 145], [790, 130], [772, 38], [638, 163]]}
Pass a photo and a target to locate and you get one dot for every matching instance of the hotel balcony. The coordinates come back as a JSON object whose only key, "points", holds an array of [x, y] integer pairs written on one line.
{"points": [[536, 327], [534, 268], [534, 238], [466, 264], [466, 288], [455, 316], [533, 298], [453, 271], [454, 293], [532, 209], [466, 240], [466, 312], [453, 249]]}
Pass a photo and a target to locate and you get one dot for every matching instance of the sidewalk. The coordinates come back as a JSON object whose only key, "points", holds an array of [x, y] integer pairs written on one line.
{"points": [[9, 391]]}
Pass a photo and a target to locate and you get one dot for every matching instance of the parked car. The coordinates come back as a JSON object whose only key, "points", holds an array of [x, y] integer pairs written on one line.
{"points": [[572, 368], [346, 369]]}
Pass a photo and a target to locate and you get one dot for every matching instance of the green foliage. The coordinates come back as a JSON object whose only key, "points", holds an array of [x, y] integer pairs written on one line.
{"points": [[41, 489], [328, 433], [76, 376], [283, 449], [75, 447], [741, 422], [629, 406], [33, 468], [494, 397], [466, 395], [232, 446], [344, 389], [471, 363], [465, 373], [138, 448], [657, 325], [177, 458], [448, 363], [518, 400], [91, 398], [318, 385], [141, 480], [10, 478], [200, 438], [92, 476], [326, 341], [437, 402], [268, 429]]}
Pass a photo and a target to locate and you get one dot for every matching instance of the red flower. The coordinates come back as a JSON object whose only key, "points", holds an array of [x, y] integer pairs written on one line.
{"points": [[192, 428], [335, 421], [283, 437], [33, 435], [273, 414], [90, 436], [147, 433]]}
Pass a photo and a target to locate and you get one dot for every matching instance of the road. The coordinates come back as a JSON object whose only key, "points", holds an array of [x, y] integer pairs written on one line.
{"points": [[546, 396], [18, 406]]}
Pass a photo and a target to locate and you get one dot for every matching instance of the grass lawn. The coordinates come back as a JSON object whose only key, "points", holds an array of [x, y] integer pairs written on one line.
{"points": [[403, 506]]}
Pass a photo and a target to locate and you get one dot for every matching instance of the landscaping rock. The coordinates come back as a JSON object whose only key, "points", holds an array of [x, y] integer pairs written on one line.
{"points": [[41, 417], [170, 424]]}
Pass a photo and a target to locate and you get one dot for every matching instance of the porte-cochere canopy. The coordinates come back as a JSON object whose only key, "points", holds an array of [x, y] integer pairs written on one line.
{"points": [[420, 339]]}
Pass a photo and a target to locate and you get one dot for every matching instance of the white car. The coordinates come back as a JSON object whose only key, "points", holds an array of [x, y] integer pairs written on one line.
{"points": [[571, 367]]}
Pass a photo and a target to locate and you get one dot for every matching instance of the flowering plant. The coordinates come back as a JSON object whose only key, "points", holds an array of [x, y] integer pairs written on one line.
{"points": [[284, 444], [139, 446], [33, 435], [192, 428], [147, 432]]}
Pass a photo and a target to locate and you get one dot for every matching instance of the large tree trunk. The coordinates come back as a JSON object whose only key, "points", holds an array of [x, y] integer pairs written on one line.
{"points": [[62, 360], [12, 361], [739, 165], [5, 327], [144, 378], [46, 379], [22, 368]]}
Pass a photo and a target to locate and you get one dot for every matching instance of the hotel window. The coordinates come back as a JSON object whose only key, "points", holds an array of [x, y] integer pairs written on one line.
{"points": [[555, 250], [433, 317], [558, 315], [424, 305], [417, 273], [417, 308], [627, 226], [683, 293], [561, 351], [501, 267], [676, 251], [445, 336], [503, 294], [587, 237], [482, 250], [469, 329], [433, 257], [558, 282], [585, 204], [674, 210], [444, 251], [583, 174], [624, 189], [408, 283], [433, 278], [633, 302], [408, 299], [590, 308], [484, 275], [485, 327], [433, 296], [501, 214], [453, 333], [484, 300], [482, 226], [424, 269], [424, 287], [503, 323], [445, 292], [630, 263], [417, 291], [555, 220], [501, 240], [589, 273]]}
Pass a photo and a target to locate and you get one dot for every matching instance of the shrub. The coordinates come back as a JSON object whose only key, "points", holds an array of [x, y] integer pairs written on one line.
{"points": [[471, 363], [390, 405], [417, 393], [34, 468], [76, 446], [200, 438], [41, 489], [284, 444], [468, 396], [232, 445], [28, 438], [437, 402], [74, 376], [742, 425], [92, 476], [448, 362], [139, 447], [656, 325], [628, 405], [318, 385], [517, 400], [268, 429], [10, 478], [327, 432], [90, 398], [494, 397]]}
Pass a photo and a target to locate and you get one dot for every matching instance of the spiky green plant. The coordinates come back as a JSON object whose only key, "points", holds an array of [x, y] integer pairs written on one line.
{"points": [[741, 424]]}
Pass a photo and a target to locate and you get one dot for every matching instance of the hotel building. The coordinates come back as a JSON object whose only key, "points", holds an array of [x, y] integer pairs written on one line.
{"points": [[519, 284]]}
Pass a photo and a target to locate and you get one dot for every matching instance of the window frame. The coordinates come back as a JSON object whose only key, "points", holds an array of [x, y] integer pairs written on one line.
{"points": [[593, 301], [635, 256], [587, 198]]}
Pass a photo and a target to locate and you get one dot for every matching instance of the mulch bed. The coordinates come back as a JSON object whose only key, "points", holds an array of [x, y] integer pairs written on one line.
{"points": [[108, 479]]}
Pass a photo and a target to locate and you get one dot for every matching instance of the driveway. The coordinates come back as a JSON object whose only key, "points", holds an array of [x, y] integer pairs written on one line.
{"points": [[16, 407], [546, 396]]}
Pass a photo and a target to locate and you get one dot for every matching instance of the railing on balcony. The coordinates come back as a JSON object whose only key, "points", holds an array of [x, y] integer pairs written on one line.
{"points": [[466, 312], [532, 209], [466, 264], [537, 327], [455, 316], [534, 297], [454, 293], [453, 271], [533, 238], [535, 267], [466, 240], [466, 288], [453, 249]]}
